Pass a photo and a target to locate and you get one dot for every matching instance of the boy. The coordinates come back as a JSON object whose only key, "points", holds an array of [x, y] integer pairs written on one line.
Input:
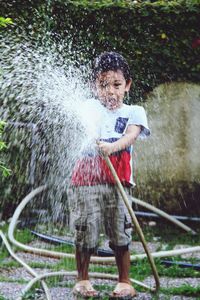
{"points": [[97, 197]]}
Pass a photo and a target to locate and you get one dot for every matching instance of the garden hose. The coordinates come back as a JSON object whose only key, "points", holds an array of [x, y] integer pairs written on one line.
{"points": [[74, 273], [134, 221], [97, 259], [54, 254], [40, 277], [163, 214], [27, 267], [145, 214]]}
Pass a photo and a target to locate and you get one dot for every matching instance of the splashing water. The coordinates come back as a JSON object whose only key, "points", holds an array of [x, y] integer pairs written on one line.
{"points": [[49, 93]]}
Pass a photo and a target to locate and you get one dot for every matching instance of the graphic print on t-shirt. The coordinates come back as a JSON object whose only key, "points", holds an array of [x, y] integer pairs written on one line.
{"points": [[121, 124]]}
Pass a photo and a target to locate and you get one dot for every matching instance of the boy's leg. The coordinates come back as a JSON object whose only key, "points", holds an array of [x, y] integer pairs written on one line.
{"points": [[83, 287], [82, 263], [122, 257], [124, 287], [118, 228], [86, 222]]}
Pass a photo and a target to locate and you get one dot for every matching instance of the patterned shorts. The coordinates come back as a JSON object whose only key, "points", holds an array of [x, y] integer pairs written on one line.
{"points": [[96, 207]]}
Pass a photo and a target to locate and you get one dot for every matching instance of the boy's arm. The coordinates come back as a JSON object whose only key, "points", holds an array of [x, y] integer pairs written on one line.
{"points": [[126, 140]]}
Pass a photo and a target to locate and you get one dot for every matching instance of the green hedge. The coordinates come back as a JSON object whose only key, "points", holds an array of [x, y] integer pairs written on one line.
{"points": [[4, 22], [160, 39], [3, 169]]}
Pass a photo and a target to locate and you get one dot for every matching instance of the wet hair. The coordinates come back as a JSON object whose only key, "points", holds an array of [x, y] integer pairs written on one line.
{"points": [[110, 61]]}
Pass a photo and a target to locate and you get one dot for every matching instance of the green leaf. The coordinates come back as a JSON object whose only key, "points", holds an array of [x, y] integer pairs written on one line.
{"points": [[5, 21]]}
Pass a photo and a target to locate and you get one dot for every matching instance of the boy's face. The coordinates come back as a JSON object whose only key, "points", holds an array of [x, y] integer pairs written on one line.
{"points": [[111, 87]]}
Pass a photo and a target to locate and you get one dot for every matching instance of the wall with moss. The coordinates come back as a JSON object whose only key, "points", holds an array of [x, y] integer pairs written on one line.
{"points": [[168, 165]]}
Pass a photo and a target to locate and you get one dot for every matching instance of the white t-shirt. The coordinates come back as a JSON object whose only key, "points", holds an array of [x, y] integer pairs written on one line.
{"points": [[118, 120], [91, 169]]}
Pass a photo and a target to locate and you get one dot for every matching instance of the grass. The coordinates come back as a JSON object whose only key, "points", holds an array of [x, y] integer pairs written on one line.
{"points": [[9, 264], [24, 236], [176, 271], [185, 290], [61, 248], [169, 235], [6, 279], [3, 254]]}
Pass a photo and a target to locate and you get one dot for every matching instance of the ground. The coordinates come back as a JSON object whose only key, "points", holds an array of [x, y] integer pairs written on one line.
{"points": [[177, 283]]}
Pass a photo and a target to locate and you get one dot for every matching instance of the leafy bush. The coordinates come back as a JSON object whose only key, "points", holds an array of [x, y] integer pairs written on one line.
{"points": [[160, 39], [5, 171], [3, 23]]}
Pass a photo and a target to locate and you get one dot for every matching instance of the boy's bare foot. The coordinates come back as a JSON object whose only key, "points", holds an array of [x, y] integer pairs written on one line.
{"points": [[123, 291], [84, 288]]}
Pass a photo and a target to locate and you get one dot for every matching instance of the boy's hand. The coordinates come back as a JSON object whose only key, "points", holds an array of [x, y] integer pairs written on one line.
{"points": [[105, 148], [126, 140]]}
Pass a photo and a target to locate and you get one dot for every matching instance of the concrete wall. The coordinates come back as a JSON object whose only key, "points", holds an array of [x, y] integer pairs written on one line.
{"points": [[168, 163]]}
